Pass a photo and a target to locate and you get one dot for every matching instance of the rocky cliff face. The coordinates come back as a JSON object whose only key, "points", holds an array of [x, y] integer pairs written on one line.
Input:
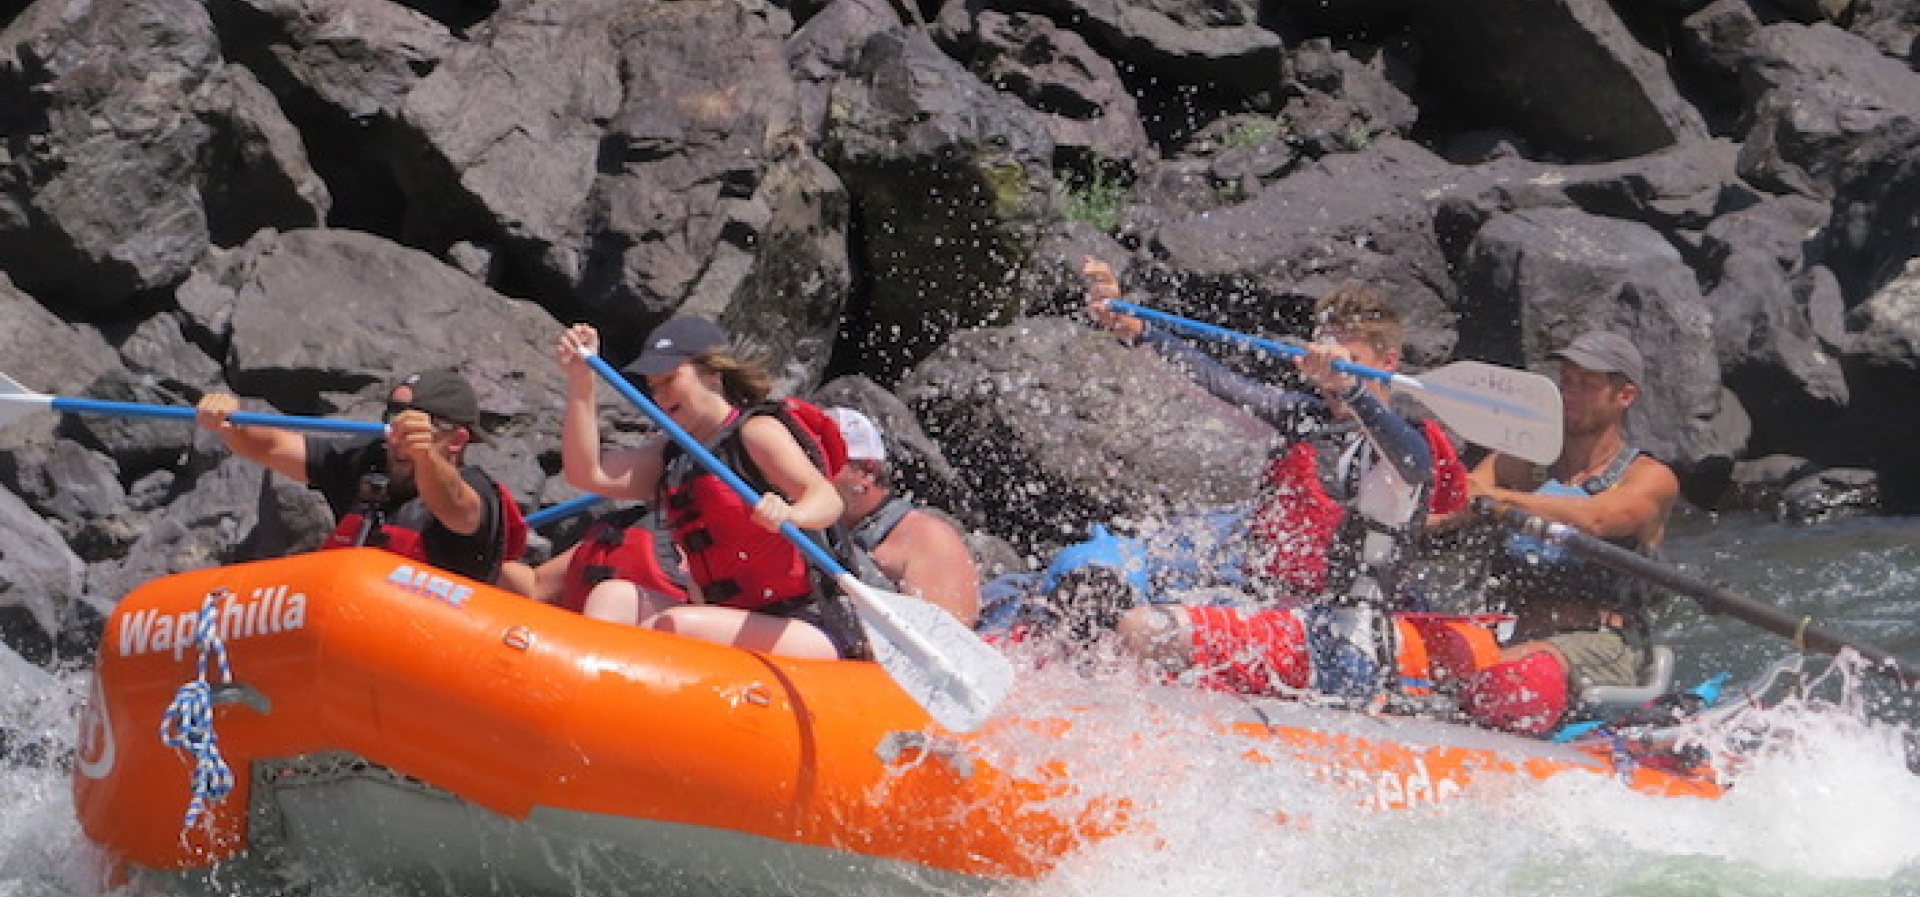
{"points": [[299, 199]]}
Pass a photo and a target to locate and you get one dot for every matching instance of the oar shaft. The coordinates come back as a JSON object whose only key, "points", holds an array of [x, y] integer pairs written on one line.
{"points": [[1801, 630], [1222, 334], [562, 510], [707, 460], [242, 418]]}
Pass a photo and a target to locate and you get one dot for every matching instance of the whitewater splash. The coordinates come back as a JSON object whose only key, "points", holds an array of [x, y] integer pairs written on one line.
{"points": [[1825, 805]]}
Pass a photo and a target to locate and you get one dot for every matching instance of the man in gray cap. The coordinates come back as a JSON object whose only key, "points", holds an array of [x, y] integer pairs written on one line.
{"points": [[1578, 624]]}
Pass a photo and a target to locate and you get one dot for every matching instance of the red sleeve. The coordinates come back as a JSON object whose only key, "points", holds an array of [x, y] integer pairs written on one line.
{"points": [[1449, 474]]}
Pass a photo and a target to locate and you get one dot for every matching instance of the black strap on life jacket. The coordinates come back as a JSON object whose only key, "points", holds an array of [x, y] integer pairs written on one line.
{"points": [[373, 508]]}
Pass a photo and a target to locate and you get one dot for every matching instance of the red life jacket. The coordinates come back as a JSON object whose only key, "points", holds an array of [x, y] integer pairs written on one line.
{"points": [[1298, 520], [617, 546], [1449, 493], [400, 531], [734, 562]]}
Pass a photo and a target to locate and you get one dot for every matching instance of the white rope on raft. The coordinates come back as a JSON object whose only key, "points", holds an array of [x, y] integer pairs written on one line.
{"points": [[187, 726]]}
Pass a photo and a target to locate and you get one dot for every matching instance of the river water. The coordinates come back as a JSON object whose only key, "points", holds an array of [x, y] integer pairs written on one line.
{"points": [[1833, 810]]}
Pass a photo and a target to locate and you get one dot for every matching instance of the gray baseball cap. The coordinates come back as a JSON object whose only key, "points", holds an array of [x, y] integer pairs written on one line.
{"points": [[1607, 352]]}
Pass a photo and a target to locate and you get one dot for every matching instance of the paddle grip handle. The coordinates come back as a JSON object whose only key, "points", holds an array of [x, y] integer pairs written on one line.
{"points": [[692, 446], [1222, 334]]}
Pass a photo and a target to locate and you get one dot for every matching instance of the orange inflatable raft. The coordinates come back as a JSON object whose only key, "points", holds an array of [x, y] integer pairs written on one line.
{"points": [[418, 726]]}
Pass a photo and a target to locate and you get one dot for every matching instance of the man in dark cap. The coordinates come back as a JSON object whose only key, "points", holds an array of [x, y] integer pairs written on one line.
{"points": [[1578, 624], [411, 492]]}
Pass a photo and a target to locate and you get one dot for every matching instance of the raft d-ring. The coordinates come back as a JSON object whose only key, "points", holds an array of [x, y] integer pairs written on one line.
{"points": [[900, 748], [755, 694], [519, 638], [242, 694]]}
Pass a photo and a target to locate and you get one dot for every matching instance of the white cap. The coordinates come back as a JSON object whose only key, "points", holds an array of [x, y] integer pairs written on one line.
{"points": [[863, 438]]}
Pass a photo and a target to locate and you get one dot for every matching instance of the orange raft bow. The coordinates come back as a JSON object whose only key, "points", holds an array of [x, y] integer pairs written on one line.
{"points": [[398, 718]]}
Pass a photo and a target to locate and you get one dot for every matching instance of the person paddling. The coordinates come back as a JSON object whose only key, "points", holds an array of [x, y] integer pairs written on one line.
{"points": [[915, 551], [750, 587], [1578, 624], [412, 492], [627, 545], [1341, 501]]}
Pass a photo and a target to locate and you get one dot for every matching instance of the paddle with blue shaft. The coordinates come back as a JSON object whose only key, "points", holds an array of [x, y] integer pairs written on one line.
{"points": [[17, 401], [1507, 410], [562, 511], [936, 660]]}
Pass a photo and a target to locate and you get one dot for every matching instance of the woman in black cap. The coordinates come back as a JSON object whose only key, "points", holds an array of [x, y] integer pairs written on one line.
{"points": [[751, 587]]}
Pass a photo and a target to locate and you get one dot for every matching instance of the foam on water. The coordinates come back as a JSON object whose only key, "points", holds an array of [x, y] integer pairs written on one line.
{"points": [[1828, 808]]}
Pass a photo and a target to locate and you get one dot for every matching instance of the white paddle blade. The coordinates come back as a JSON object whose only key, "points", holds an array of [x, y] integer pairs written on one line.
{"points": [[1504, 409], [938, 662], [17, 401]]}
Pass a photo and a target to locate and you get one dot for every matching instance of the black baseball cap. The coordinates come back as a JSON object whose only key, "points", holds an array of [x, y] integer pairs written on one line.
{"points": [[676, 341], [443, 393]]}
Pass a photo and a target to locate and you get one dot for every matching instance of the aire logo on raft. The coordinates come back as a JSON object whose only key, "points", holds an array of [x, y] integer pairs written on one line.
{"points": [[265, 611], [430, 584]]}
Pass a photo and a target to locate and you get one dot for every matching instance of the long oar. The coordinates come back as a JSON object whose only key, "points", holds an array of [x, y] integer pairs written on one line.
{"points": [[562, 510], [1799, 629], [939, 662], [17, 401], [1507, 410]]}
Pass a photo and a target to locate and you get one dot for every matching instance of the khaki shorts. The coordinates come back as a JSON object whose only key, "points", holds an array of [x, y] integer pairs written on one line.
{"points": [[1600, 658]]}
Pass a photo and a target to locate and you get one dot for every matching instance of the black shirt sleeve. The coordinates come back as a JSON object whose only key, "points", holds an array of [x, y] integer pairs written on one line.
{"points": [[476, 556], [334, 468]]}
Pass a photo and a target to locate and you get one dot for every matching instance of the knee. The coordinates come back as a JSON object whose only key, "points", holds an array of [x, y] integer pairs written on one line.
{"points": [[516, 577], [615, 599], [1527, 695], [1146, 631]]}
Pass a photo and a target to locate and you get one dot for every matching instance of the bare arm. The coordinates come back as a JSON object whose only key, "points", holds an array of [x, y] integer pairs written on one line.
{"points": [[1636, 506], [935, 565], [622, 473], [802, 494], [448, 496], [550, 578], [282, 451]]}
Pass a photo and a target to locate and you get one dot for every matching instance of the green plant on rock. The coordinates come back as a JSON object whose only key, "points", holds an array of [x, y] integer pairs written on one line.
{"points": [[1254, 132], [1096, 198]]}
